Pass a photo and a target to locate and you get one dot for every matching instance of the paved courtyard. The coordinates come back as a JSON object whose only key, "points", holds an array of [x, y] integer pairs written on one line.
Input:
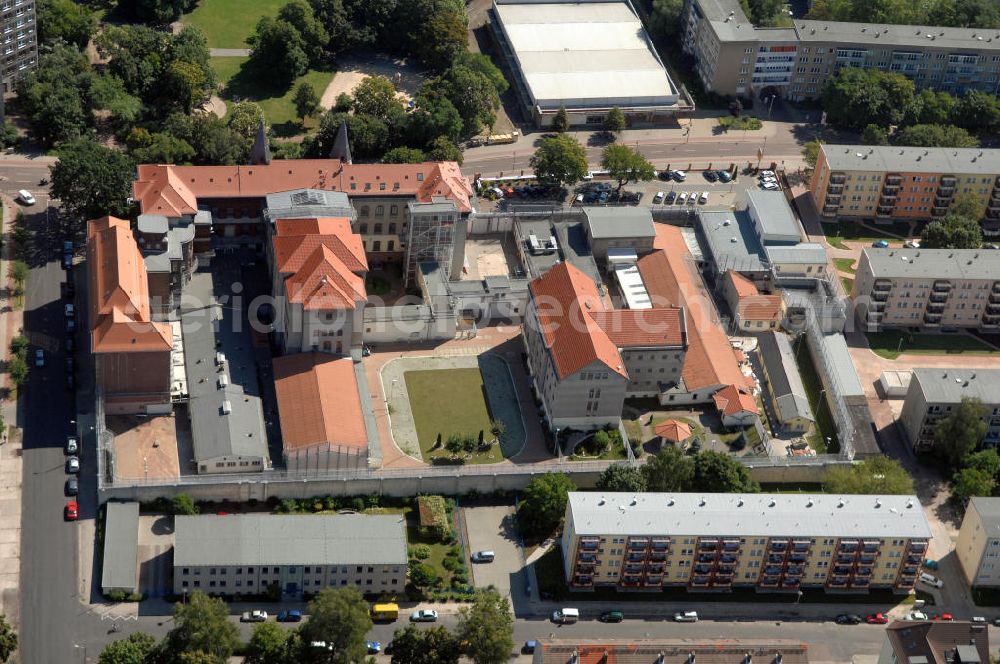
{"points": [[405, 73], [492, 529]]}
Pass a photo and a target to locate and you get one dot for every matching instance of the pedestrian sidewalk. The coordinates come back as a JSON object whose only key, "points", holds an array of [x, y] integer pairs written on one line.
{"points": [[10, 449]]}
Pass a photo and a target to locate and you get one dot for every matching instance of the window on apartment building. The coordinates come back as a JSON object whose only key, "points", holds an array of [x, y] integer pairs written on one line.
{"points": [[379, 210], [377, 245], [392, 229], [378, 229], [363, 211], [390, 245]]}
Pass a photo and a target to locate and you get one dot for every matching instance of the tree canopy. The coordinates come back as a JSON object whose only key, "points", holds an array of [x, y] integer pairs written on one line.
{"points": [[72, 22], [559, 160], [668, 470], [8, 639], [543, 503], [957, 435], [340, 617], [878, 474], [92, 180], [436, 645], [626, 165], [952, 232], [136, 648], [486, 628], [201, 625], [721, 473], [622, 477], [856, 98], [278, 50], [950, 13], [935, 135]]}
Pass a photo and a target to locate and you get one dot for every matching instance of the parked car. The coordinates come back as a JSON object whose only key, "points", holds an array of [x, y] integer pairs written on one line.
{"points": [[848, 619], [72, 511], [26, 197], [703, 198], [293, 615], [374, 647], [912, 244], [946, 617], [257, 615], [658, 198], [612, 617], [69, 310], [73, 465], [72, 446], [769, 186], [880, 244], [483, 556], [979, 620], [72, 487], [679, 176], [930, 563], [916, 615], [529, 647], [724, 176], [67, 261], [686, 616], [693, 198], [424, 615], [579, 199], [666, 176], [70, 325], [711, 176], [39, 357], [876, 619], [766, 173], [931, 580], [682, 197], [565, 616], [671, 195]]}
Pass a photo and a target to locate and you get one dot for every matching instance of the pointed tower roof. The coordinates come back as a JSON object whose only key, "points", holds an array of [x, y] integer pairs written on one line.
{"points": [[260, 153], [341, 145]]}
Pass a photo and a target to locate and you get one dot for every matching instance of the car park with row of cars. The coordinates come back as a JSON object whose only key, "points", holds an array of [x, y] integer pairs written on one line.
{"points": [[768, 181]]}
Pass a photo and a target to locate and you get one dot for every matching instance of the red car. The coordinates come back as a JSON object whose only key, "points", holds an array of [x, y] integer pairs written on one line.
{"points": [[944, 616], [72, 511], [877, 619]]}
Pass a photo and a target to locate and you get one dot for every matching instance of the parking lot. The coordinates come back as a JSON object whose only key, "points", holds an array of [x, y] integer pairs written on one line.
{"points": [[492, 529]]}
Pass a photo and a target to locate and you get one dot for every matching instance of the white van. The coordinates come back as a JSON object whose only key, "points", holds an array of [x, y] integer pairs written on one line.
{"points": [[931, 580], [565, 616], [483, 556], [686, 616]]}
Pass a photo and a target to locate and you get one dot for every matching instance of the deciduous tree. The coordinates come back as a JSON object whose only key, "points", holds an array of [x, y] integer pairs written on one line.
{"points": [[559, 160], [935, 135], [626, 165], [269, 644], [721, 473], [436, 645], [543, 503], [92, 180], [875, 475], [299, 14], [614, 121], [958, 434], [72, 22], [278, 50], [306, 100], [443, 148], [487, 627], [338, 616], [560, 121], [136, 648], [201, 625], [376, 96], [856, 98], [952, 232], [622, 477], [668, 470], [8, 639]]}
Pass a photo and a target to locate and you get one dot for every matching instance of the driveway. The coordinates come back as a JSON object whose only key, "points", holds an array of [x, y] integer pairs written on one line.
{"points": [[492, 529]]}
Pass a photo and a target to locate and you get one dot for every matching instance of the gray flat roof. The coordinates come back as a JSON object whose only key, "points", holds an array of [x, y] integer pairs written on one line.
{"points": [[732, 241], [989, 511], [881, 34], [308, 203], [584, 54], [783, 375], [934, 263], [775, 216], [950, 385], [289, 539], [971, 161], [619, 222], [119, 569], [214, 434], [802, 253], [838, 358], [737, 515]]}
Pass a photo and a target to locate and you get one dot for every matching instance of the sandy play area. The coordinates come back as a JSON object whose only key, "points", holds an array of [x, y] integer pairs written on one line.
{"points": [[405, 73]]}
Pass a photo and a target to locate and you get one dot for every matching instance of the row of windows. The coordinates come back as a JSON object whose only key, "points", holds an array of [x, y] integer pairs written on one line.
{"points": [[307, 569], [249, 583], [233, 464], [364, 211], [377, 228]]}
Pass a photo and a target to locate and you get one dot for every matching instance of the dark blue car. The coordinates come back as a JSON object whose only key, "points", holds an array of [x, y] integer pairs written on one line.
{"points": [[290, 616]]}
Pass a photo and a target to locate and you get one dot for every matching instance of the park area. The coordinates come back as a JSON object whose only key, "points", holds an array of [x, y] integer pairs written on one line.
{"points": [[228, 23], [890, 344], [454, 410]]}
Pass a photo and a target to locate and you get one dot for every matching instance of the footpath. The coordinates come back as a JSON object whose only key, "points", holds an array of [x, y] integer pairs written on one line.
{"points": [[11, 322]]}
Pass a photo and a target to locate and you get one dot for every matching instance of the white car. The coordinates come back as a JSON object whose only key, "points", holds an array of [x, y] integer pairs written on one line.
{"points": [[686, 616], [767, 174], [769, 186], [912, 244], [424, 615], [931, 580], [682, 198], [69, 310], [659, 197], [916, 615], [26, 197], [254, 616], [73, 465], [693, 198], [703, 198]]}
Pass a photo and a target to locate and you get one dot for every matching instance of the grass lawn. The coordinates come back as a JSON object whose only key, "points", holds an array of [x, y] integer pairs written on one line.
{"points": [[449, 401], [890, 344], [438, 549], [616, 452], [837, 231], [845, 264], [240, 81], [228, 23], [848, 284], [824, 427]]}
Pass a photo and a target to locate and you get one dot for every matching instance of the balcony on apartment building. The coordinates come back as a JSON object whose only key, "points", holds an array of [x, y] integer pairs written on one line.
{"points": [[705, 545], [837, 582], [893, 180], [589, 543], [848, 546], [583, 581], [778, 546], [884, 210], [638, 543], [941, 286], [938, 298], [932, 319], [829, 209], [995, 289], [834, 189], [917, 546], [651, 581], [630, 580], [882, 285], [939, 211], [989, 320], [769, 581], [699, 581], [838, 178]]}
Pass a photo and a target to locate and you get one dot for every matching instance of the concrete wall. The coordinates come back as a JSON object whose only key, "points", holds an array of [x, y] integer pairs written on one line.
{"points": [[414, 482]]}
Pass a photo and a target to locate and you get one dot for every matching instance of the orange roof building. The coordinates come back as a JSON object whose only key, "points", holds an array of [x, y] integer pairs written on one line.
{"points": [[319, 269], [319, 406], [736, 404], [752, 310], [584, 359], [673, 431], [132, 352]]}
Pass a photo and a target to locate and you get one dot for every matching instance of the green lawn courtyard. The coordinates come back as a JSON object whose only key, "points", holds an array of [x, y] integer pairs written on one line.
{"points": [[890, 344], [239, 81], [228, 23], [838, 231], [845, 264], [446, 402]]}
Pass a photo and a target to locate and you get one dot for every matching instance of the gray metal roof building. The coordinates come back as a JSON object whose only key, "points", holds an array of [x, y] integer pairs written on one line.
{"points": [[584, 53], [304, 203], [120, 569], [911, 159], [933, 263], [737, 515], [783, 376], [289, 539], [773, 217], [950, 385], [732, 242], [619, 222], [804, 253]]}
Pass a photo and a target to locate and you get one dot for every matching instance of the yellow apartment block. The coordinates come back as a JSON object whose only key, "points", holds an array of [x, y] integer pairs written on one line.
{"points": [[716, 542], [978, 544]]}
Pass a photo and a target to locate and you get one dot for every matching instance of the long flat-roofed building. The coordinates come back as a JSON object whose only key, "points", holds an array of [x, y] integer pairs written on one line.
{"points": [[928, 289], [586, 55], [719, 541], [934, 393], [248, 553], [893, 182]]}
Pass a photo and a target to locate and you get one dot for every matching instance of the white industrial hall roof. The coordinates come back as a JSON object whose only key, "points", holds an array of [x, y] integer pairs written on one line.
{"points": [[584, 54]]}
